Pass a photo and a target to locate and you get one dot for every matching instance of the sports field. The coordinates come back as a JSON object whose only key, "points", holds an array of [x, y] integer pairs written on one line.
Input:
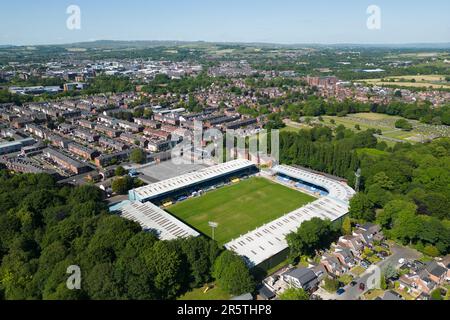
{"points": [[239, 208]]}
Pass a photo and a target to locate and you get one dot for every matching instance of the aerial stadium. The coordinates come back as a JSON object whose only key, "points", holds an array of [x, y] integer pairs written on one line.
{"points": [[252, 210]]}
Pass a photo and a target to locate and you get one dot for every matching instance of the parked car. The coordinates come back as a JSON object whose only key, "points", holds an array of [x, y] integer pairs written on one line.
{"points": [[362, 286], [384, 245], [340, 291], [353, 283]]}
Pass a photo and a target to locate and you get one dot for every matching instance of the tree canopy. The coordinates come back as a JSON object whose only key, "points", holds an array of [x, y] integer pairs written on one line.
{"points": [[45, 228]]}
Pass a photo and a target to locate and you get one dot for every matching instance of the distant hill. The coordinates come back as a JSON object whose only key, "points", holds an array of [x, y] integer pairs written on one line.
{"points": [[120, 44], [157, 43]]}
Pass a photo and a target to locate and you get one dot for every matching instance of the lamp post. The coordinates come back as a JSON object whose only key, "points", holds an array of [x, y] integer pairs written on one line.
{"points": [[213, 226]]}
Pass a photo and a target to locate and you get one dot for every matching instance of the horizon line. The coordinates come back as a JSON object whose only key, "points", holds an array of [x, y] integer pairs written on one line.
{"points": [[240, 43]]}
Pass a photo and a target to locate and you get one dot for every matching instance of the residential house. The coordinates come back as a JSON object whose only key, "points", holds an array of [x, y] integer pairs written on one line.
{"points": [[436, 272], [445, 262], [345, 256], [243, 297], [354, 243], [302, 278], [265, 294], [369, 233], [390, 295], [333, 265]]}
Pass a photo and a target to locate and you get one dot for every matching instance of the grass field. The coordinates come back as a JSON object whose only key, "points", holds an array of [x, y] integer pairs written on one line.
{"points": [[421, 81], [213, 294], [239, 208], [292, 126], [386, 124]]}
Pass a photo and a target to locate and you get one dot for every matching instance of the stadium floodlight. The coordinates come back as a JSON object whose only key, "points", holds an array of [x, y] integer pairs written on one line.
{"points": [[358, 177], [213, 226]]}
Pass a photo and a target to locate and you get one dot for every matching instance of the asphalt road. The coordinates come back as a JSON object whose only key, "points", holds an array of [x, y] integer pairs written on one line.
{"points": [[398, 252]]}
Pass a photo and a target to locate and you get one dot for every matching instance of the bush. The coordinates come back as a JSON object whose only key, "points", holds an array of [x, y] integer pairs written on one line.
{"points": [[436, 294], [294, 294], [431, 251], [346, 279], [404, 125], [122, 185], [120, 171], [331, 285]]}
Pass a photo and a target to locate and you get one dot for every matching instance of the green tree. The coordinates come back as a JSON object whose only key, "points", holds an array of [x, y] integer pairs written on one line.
{"points": [[390, 272], [383, 284], [383, 181], [294, 294], [120, 171], [403, 124], [122, 185], [331, 285], [436, 294], [347, 226], [361, 207], [392, 209], [138, 156], [166, 266], [431, 251], [312, 235], [232, 274], [406, 227], [201, 254]]}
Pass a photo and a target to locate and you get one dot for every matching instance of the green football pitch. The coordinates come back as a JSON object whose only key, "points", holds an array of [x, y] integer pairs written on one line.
{"points": [[239, 208]]}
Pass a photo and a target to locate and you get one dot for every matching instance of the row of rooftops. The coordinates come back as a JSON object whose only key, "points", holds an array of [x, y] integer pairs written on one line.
{"points": [[62, 157]]}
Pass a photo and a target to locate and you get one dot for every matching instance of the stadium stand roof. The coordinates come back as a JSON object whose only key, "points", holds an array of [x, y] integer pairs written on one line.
{"points": [[337, 190], [173, 184], [268, 240], [152, 218]]}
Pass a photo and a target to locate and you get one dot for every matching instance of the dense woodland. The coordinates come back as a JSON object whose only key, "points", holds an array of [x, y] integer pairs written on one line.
{"points": [[45, 228], [404, 188], [407, 191]]}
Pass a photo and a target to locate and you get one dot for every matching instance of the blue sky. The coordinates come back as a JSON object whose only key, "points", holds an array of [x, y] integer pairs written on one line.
{"points": [[278, 21]]}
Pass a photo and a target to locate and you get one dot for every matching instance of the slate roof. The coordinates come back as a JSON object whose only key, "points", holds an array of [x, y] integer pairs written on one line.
{"points": [[306, 277]]}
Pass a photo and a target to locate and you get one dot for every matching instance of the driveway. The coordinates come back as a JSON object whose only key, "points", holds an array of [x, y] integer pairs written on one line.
{"points": [[399, 252]]}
